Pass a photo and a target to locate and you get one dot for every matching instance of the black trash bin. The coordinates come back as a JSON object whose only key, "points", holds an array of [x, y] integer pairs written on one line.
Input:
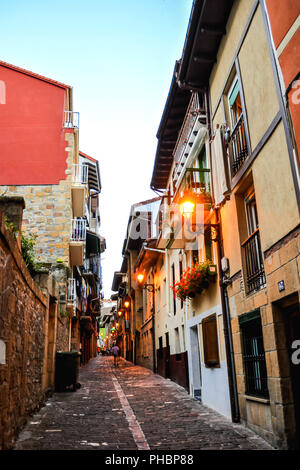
{"points": [[66, 370]]}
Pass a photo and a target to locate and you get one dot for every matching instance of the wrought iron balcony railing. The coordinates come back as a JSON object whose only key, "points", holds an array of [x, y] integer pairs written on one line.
{"points": [[71, 119], [71, 290], [238, 145], [78, 230], [80, 173], [254, 266]]}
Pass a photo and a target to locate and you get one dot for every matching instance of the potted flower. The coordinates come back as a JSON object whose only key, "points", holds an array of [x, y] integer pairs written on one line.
{"points": [[194, 280]]}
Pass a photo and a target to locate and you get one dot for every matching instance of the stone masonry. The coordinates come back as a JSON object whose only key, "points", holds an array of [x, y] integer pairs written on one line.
{"points": [[48, 212], [273, 419], [23, 309]]}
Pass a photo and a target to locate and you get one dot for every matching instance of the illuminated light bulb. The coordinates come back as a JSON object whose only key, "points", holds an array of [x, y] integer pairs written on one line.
{"points": [[187, 208]]}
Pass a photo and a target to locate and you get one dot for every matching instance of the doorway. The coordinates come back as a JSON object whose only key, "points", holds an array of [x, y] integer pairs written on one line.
{"points": [[195, 362], [167, 357]]}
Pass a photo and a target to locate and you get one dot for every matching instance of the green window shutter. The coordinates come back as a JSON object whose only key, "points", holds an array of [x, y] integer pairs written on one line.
{"points": [[234, 93], [244, 318]]}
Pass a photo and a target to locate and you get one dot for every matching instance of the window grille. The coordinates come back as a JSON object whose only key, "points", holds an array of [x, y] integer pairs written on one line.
{"points": [[254, 356]]}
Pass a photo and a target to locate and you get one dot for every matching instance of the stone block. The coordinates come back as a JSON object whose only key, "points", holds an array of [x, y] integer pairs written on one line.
{"points": [[272, 262], [289, 251], [260, 299], [237, 346], [235, 328], [280, 390], [239, 367], [269, 337]]}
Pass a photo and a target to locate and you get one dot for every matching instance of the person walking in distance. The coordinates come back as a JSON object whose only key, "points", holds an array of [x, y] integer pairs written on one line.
{"points": [[116, 352]]}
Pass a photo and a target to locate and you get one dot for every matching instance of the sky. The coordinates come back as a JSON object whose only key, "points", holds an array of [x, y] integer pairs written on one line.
{"points": [[119, 57]]}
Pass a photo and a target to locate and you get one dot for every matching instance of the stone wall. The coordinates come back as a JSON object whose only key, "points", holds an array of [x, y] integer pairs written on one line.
{"points": [[274, 418], [48, 212], [23, 311]]}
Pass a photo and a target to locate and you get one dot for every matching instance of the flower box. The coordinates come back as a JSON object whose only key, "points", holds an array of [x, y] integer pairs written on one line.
{"points": [[194, 280]]}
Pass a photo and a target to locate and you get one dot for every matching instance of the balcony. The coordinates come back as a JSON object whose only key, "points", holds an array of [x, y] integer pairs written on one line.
{"points": [[238, 146], [194, 186], [71, 297], [91, 270], [71, 120], [94, 225], [192, 131], [77, 242], [71, 294], [197, 182], [80, 173], [253, 263], [79, 182]]}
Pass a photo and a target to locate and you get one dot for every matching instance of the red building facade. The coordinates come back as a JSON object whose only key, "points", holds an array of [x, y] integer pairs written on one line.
{"points": [[32, 133]]}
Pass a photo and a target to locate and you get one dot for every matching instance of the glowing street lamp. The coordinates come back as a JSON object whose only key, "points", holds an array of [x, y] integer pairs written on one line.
{"points": [[187, 205], [140, 278]]}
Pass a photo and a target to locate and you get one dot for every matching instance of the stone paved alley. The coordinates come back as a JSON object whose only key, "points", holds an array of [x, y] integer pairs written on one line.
{"points": [[130, 408]]}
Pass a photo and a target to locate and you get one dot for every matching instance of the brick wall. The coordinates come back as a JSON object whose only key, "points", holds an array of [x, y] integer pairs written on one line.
{"points": [[23, 310]]}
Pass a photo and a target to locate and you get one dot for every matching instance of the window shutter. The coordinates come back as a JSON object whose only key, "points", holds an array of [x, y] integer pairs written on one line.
{"points": [[210, 341], [234, 94]]}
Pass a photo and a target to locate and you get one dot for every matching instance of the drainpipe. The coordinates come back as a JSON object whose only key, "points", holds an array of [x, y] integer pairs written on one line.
{"points": [[235, 414], [153, 325], [153, 303]]}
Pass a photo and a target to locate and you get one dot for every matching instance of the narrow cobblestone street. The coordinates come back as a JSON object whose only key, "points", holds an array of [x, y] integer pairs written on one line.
{"points": [[130, 408]]}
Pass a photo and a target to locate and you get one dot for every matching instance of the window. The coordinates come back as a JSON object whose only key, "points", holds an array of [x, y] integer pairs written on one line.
{"points": [[177, 341], [195, 256], [207, 243], [237, 140], [180, 276], [173, 282], [183, 337], [254, 355], [252, 255], [210, 341], [146, 344], [160, 348]]}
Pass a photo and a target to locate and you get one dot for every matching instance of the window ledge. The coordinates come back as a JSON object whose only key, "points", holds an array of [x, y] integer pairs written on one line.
{"points": [[266, 401]]}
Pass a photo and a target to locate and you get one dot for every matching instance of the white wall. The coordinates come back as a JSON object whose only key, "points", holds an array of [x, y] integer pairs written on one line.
{"points": [[214, 381]]}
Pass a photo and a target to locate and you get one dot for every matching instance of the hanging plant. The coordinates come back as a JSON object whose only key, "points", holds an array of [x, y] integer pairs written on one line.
{"points": [[194, 280]]}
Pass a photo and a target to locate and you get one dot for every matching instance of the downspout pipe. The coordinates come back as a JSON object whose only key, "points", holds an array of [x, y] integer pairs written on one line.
{"points": [[153, 325], [235, 413]]}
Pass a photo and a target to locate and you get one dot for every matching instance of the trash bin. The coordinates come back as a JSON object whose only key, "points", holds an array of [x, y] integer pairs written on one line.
{"points": [[66, 370]]}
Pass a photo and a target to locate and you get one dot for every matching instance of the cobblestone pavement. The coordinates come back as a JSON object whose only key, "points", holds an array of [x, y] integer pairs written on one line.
{"points": [[130, 408]]}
